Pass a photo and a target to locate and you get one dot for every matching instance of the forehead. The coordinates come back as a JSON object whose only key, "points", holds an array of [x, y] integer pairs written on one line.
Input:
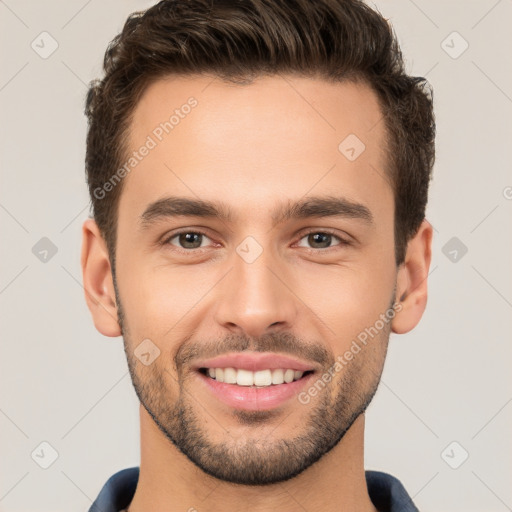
{"points": [[280, 136]]}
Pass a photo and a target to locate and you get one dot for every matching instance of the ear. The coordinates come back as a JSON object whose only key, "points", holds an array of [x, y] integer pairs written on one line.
{"points": [[412, 280], [97, 279]]}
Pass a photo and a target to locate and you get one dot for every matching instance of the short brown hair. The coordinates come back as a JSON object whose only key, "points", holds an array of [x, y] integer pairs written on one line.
{"points": [[338, 40]]}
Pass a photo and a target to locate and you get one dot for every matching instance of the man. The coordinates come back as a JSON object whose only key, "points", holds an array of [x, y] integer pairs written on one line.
{"points": [[259, 173]]}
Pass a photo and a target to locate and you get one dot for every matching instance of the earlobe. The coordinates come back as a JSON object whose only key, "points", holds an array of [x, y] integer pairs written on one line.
{"points": [[412, 280], [97, 279]]}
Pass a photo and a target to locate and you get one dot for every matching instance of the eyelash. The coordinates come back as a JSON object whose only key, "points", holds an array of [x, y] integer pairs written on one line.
{"points": [[342, 241]]}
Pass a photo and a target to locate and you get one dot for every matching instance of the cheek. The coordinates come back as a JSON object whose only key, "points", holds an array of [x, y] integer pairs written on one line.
{"points": [[157, 299], [346, 300]]}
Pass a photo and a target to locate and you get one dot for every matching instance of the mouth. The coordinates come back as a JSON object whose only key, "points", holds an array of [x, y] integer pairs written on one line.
{"points": [[257, 379], [260, 390]]}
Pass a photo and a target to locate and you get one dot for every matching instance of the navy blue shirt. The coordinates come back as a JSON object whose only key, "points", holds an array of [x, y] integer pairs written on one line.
{"points": [[386, 492]]}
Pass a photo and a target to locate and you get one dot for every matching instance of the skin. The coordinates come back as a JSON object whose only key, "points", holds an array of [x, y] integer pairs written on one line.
{"points": [[256, 147]]}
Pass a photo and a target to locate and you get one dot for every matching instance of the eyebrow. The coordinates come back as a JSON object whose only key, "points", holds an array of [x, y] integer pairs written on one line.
{"points": [[311, 207]]}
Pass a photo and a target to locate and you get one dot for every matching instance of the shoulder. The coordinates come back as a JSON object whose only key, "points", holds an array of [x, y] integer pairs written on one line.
{"points": [[118, 491], [387, 493]]}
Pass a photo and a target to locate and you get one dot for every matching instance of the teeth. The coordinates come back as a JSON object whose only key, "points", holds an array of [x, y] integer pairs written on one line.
{"points": [[229, 375], [277, 376], [289, 375], [261, 378], [243, 377]]}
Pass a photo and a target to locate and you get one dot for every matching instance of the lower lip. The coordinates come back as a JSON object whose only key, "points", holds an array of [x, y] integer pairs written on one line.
{"points": [[255, 399]]}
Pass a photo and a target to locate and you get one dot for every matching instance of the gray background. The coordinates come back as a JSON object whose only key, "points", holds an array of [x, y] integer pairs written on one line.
{"points": [[447, 381]]}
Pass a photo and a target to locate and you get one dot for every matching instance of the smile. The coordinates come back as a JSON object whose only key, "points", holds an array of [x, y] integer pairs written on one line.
{"points": [[252, 391], [261, 378]]}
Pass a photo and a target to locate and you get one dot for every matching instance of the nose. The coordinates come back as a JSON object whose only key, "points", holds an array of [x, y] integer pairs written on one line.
{"points": [[256, 298]]}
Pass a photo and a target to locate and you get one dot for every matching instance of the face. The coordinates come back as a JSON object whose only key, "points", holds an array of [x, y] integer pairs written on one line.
{"points": [[246, 230]]}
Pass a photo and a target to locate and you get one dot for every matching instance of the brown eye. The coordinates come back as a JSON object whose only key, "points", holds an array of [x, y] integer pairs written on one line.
{"points": [[188, 240], [321, 240]]}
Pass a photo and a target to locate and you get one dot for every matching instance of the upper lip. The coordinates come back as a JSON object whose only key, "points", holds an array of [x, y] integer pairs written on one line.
{"points": [[254, 361]]}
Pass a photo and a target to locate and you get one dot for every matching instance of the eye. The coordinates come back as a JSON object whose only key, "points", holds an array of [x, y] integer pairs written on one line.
{"points": [[187, 240], [322, 240]]}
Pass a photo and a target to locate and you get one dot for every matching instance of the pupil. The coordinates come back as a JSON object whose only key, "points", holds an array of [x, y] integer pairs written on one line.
{"points": [[186, 240], [316, 238]]}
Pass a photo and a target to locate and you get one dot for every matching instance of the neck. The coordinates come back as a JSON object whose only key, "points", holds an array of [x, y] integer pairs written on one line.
{"points": [[169, 481]]}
